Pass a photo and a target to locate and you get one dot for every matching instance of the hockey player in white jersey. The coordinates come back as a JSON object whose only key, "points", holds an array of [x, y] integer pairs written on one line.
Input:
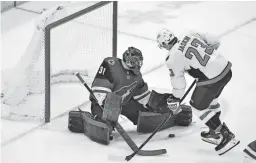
{"points": [[197, 55]]}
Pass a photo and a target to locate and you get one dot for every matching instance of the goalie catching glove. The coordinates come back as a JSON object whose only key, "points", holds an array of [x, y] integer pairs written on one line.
{"points": [[159, 108], [164, 103]]}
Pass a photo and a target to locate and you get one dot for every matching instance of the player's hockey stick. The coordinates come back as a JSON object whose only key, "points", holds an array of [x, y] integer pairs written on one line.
{"points": [[128, 158], [123, 133]]}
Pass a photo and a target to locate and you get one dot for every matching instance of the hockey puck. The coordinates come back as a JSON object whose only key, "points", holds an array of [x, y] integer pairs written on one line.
{"points": [[171, 136]]}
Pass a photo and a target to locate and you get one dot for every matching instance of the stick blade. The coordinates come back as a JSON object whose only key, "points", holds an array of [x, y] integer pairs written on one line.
{"points": [[146, 153], [128, 158]]}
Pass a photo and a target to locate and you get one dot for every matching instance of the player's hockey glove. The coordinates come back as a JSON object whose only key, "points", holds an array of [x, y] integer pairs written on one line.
{"points": [[158, 102], [182, 113], [173, 103]]}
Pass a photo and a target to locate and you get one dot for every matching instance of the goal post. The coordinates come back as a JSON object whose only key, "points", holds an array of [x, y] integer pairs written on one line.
{"points": [[68, 38], [55, 24]]}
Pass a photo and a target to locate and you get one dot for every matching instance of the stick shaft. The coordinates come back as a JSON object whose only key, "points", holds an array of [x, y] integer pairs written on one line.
{"points": [[160, 126]]}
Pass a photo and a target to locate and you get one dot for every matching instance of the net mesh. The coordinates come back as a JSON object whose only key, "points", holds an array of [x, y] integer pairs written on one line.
{"points": [[76, 46]]}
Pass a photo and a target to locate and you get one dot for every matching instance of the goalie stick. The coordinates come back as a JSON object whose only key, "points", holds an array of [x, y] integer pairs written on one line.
{"points": [[128, 158], [123, 133]]}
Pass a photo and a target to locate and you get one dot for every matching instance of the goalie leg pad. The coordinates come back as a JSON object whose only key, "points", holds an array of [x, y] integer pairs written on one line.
{"points": [[112, 108], [75, 122], [131, 110], [148, 121], [184, 118], [95, 130]]}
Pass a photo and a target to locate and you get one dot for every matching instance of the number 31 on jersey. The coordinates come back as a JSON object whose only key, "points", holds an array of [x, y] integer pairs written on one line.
{"points": [[102, 70]]}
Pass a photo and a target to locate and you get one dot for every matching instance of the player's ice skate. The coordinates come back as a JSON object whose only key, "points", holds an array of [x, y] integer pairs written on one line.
{"points": [[228, 142], [211, 137]]}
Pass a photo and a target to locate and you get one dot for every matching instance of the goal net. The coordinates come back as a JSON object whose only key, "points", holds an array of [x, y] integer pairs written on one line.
{"points": [[67, 39]]}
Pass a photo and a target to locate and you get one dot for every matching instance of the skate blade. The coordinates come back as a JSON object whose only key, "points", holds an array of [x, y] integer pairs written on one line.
{"points": [[228, 147], [214, 142]]}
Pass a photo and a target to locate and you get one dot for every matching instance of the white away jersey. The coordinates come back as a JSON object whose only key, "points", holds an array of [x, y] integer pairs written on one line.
{"points": [[197, 55]]}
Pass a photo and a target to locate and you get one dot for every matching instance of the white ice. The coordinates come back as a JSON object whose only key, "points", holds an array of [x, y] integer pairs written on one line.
{"points": [[138, 23]]}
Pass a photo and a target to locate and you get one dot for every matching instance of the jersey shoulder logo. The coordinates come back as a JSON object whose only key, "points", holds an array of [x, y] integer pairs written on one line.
{"points": [[111, 61]]}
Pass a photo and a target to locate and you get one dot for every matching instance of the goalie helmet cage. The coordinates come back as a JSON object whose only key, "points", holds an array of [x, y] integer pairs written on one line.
{"points": [[47, 45]]}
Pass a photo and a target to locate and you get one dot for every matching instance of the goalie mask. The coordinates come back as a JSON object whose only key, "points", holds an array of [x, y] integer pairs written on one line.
{"points": [[166, 39], [133, 59]]}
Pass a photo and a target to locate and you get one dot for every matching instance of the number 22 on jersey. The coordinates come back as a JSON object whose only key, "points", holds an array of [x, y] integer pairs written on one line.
{"points": [[194, 50]]}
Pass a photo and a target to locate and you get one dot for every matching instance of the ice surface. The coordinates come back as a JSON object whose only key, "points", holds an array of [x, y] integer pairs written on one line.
{"points": [[138, 24]]}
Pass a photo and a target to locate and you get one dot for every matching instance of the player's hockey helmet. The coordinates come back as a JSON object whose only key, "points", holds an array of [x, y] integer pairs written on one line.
{"points": [[165, 36], [133, 58]]}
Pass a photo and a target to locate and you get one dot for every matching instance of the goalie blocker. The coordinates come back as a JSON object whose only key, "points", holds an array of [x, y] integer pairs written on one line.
{"points": [[99, 130]]}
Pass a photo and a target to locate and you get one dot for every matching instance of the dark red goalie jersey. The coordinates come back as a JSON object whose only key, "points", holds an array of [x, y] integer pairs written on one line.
{"points": [[113, 77]]}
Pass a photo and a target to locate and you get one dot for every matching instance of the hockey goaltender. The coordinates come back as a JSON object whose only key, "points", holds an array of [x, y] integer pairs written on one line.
{"points": [[120, 89]]}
